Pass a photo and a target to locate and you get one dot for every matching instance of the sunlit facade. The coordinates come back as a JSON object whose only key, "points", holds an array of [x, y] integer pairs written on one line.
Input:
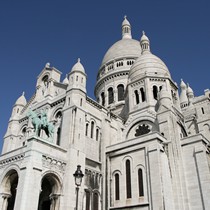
{"points": [[142, 144]]}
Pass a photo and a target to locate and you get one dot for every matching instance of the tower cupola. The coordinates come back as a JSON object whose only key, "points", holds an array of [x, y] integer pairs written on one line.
{"points": [[183, 95], [190, 94], [126, 29], [77, 77], [19, 105], [145, 44]]}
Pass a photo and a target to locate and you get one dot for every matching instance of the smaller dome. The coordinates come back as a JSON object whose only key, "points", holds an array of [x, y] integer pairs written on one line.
{"points": [[78, 67], [148, 64], [21, 100], [66, 81]]}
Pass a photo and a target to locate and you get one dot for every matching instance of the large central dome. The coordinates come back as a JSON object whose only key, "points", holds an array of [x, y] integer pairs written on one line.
{"points": [[124, 48]]}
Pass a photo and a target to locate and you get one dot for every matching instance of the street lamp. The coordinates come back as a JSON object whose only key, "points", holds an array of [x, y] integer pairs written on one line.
{"points": [[78, 180]]}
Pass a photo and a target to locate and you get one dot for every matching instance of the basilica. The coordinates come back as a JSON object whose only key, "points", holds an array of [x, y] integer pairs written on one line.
{"points": [[143, 144]]}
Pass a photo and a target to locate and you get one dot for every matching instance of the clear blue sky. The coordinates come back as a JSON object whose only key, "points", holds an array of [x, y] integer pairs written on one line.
{"points": [[33, 33]]}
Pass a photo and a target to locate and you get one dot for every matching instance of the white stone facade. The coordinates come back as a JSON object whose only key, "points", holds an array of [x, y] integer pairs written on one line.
{"points": [[140, 146]]}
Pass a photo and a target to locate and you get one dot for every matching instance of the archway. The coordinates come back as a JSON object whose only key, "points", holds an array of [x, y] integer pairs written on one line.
{"points": [[9, 190], [50, 193]]}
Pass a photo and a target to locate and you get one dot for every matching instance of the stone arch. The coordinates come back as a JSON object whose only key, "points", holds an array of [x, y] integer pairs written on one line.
{"points": [[22, 135], [51, 187], [145, 122], [9, 189]]}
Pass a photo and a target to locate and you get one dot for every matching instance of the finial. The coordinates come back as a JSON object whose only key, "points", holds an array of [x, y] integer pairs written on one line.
{"points": [[143, 32], [47, 65], [66, 75], [23, 93], [125, 16], [78, 60]]}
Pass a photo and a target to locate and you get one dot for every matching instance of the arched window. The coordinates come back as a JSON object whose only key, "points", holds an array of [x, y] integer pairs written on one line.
{"points": [[155, 92], [97, 134], [140, 182], [120, 90], [95, 201], [81, 102], [102, 99], [92, 129], [136, 96], [143, 98], [86, 130], [117, 187], [110, 95], [128, 178]]}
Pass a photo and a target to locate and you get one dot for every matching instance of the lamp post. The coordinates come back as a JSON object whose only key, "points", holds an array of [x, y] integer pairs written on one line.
{"points": [[78, 180]]}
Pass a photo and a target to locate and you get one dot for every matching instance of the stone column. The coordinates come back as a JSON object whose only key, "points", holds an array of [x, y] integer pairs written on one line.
{"points": [[5, 197]]}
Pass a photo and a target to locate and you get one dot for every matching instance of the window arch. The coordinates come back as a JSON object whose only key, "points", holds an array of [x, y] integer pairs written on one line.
{"points": [[92, 129], [110, 95], [143, 98], [117, 186], [51, 189], [140, 182], [155, 92], [120, 91], [9, 188], [136, 96], [128, 178]]}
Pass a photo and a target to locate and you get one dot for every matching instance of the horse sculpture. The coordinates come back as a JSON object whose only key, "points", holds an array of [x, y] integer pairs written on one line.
{"points": [[41, 123]]}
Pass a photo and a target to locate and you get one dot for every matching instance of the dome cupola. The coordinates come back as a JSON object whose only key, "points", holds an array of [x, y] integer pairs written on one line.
{"points": [[126, 29], [112, 76], [147, 63]]}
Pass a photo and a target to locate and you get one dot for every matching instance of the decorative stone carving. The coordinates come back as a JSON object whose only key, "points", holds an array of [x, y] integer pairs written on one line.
{"points": [[53, 164]]}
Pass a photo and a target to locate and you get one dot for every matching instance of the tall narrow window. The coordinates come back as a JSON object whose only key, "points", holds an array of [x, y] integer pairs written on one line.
{"points": [[95, 201], [128, 178], [117, 187], [202, 110], [102, 99], [143, 98], [97, 134], [87, 200], [137, 96], [58, 136], [92, 129], [86, 130], [155, 92], [110, 95], [140, 180], [120, 90]]}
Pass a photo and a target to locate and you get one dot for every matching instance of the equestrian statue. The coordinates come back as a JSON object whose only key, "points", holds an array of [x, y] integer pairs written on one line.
{"points": [[41, 123]]}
